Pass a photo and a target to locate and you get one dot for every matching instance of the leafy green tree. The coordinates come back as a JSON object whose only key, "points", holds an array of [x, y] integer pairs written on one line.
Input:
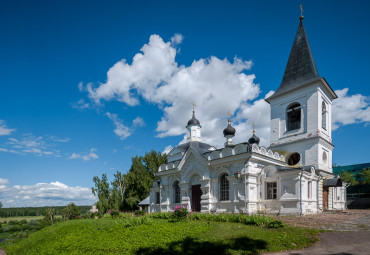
{"points": [[102, 190], [365, 175], [71, 212], [348, 177], [140, 177], [49, 216], [119, 189]]}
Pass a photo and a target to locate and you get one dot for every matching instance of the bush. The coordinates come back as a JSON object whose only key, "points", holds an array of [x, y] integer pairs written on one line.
{"points": [[114, 213], [140, 212], [275, 224], [160, 215], [180, 212]]}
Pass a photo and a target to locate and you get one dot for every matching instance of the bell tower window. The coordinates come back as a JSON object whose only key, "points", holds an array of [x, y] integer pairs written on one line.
{"points": [[293, 114]]}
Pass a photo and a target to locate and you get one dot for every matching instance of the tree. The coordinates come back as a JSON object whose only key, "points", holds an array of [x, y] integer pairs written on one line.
{"points": [[365, 175], [141, 176], [348, 177], [102, 191], [71, 212], [119, 188], [49, 216]]}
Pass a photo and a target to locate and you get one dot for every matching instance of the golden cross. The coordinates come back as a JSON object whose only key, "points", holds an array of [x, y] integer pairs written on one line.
{"points": [[301, 10], [194, 105], [229, 114], [253, 126]]}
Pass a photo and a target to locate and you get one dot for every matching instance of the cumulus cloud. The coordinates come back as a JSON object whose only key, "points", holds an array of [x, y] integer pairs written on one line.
{"points": [[85, 156], [167, 149], [350, 109], [3, 183], [44, 194], [4, 130], [216, 85]]}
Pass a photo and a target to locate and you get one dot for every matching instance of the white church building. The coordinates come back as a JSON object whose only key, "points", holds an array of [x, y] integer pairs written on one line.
{"points": [[292, 176]]}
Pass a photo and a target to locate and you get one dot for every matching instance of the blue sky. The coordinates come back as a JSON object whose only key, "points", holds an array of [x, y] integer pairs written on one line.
{"points": [[65, 119]]}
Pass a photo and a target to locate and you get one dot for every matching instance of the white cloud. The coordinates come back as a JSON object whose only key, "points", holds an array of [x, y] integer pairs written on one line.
{"points": [[121, 130], [176, 39], [81, 104], [45, 194], [3, 183], [167, 149], [138, 122], [36, 145], [85, 156], [4, 130], [216, 85], [350, 109]]}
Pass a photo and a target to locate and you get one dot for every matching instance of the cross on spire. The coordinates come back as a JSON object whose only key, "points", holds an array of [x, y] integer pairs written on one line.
{"points": [[194, 105], [253, 127], [301, 18]]}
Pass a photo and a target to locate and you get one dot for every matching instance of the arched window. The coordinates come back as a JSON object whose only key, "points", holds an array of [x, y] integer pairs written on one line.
{"points": [[176, 192], [324, 158], [323, 115], [293, 117], [224, 188]]}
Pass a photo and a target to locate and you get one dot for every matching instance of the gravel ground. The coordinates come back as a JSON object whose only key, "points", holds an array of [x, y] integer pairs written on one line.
{"points": [[351, 236], [347, 220]]}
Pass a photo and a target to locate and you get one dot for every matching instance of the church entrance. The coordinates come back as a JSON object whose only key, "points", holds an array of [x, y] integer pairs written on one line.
{"points": [[325, 197], [196, 193]]}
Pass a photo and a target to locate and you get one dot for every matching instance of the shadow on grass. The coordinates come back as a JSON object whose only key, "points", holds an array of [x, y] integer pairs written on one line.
{"points": [[194, 246]]}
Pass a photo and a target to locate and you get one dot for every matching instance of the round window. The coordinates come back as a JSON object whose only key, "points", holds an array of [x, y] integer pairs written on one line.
{"points": [[294, 159]]}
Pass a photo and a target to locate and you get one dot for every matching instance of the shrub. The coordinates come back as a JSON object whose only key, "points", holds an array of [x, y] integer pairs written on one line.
{"points": [[161, 215], [275, 224], [140, 212], [95, 215], [113, 212], [180, 212]]}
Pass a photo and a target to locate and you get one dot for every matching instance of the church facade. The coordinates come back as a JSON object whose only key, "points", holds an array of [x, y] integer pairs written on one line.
{"points": [[293, 176]]}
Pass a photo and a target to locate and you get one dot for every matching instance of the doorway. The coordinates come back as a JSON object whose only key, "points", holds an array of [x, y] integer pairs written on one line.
{"points": [[325, 197], [196, 193]]}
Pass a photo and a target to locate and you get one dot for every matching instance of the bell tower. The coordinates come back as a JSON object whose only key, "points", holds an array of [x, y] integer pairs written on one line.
{"points": [[300, 125]]}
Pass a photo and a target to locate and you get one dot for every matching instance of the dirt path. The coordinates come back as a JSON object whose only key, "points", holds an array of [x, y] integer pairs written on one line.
{"points": [[352, 234], [2, 252]]}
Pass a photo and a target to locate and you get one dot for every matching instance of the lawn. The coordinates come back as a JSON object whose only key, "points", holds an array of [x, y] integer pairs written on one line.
{"points": [[146, 235]]}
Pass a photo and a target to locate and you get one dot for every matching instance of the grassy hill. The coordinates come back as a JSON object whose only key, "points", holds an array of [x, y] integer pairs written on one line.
{"points": [[144, 235]]}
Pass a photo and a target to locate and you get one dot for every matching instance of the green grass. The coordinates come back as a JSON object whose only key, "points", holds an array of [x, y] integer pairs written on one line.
{"points": [[159, 236]]}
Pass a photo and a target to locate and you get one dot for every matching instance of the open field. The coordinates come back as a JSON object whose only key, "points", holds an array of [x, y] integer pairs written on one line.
{"points": [[28, 218], [145, 235]]}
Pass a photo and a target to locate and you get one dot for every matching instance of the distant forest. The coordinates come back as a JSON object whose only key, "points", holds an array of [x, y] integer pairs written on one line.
{"points": [[36, 211]]}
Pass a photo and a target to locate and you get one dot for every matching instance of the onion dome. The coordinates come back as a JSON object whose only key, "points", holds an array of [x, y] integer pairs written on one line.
{"points": [[229, 130], [193, 121], [254, 139]]}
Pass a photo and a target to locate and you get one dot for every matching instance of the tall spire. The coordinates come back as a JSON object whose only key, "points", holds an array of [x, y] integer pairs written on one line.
{"points": [[301, 67]]}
